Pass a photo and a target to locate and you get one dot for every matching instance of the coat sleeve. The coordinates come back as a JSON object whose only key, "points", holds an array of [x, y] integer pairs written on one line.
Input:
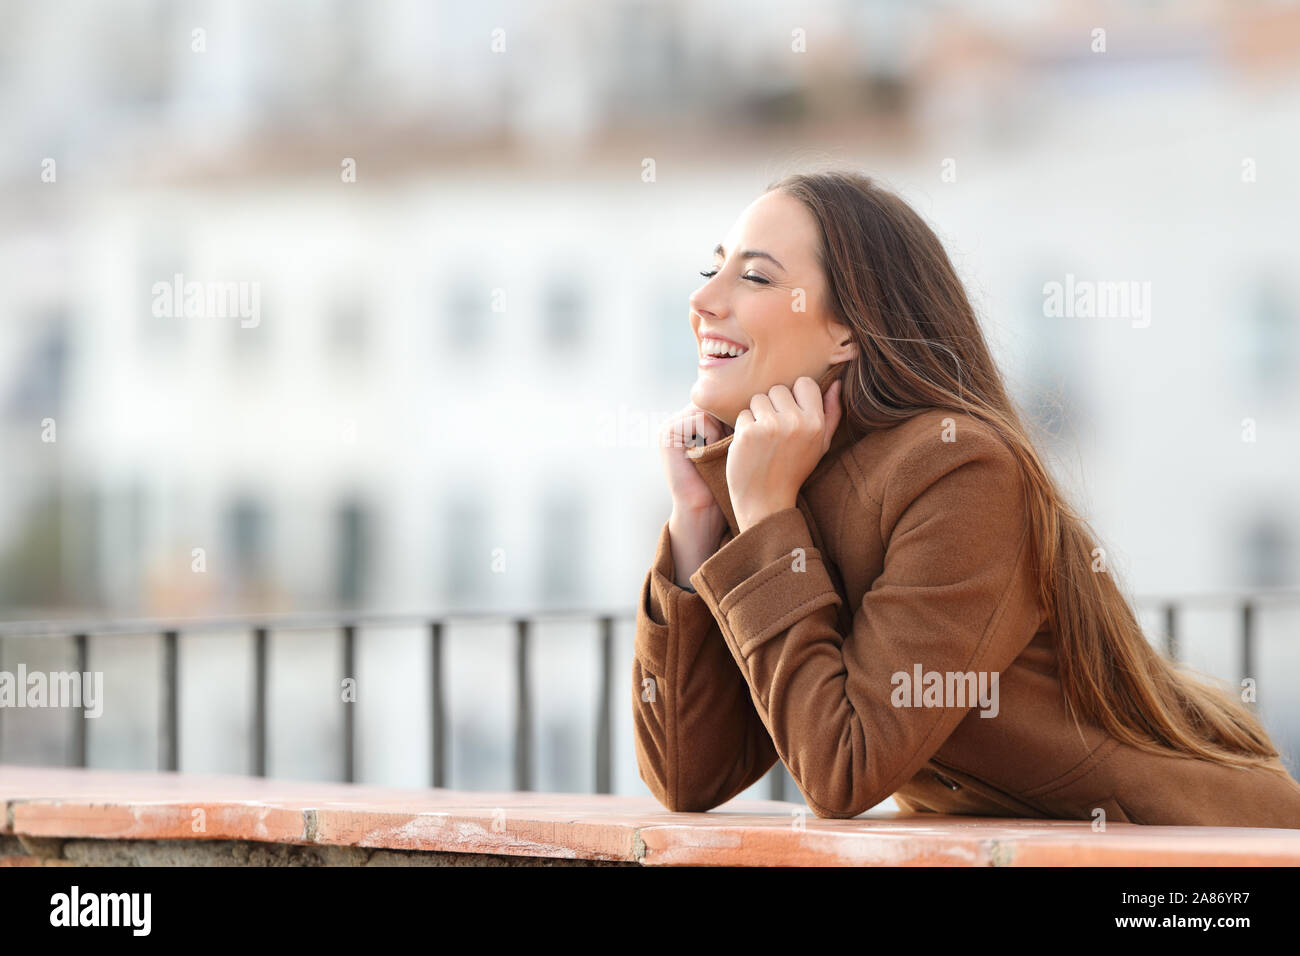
{"points": [[699, 741], [956, 595]]}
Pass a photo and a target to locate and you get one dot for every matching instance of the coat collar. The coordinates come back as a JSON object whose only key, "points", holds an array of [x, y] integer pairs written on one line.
{"points": [[711, 460]]}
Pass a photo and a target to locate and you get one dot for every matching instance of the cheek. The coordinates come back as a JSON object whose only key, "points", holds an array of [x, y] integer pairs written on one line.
{"points": [[765, 328]]}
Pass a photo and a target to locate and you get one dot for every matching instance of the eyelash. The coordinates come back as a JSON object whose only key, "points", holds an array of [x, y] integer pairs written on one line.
{"points": [[758, 279]]}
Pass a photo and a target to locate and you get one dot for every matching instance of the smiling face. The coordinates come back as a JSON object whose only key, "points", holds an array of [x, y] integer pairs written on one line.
{"points": [[767, 294]]}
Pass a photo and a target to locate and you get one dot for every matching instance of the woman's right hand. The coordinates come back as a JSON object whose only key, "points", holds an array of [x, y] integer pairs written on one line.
{"points": [[697, 522]]}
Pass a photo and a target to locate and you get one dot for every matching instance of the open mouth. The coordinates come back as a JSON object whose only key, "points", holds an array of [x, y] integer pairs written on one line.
{"points": [[718, 352]]}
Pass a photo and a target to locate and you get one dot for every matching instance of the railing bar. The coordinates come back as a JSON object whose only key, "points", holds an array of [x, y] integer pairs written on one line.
{"points": [[523, 717], [1247, 639], [437, 715], [169, 731], [259, 701], [79, 714], [349, 711], [1171, 631], [604, 738]]}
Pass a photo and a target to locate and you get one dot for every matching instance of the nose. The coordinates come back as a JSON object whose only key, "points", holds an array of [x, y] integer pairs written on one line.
{"points": [[703, 302]]}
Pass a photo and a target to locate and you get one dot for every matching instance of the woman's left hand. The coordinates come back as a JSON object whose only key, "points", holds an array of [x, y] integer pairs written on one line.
{"points": [[778, 442]]}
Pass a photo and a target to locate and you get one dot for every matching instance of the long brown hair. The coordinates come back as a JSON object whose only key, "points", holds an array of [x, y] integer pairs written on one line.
{"points": [[920, 346]]}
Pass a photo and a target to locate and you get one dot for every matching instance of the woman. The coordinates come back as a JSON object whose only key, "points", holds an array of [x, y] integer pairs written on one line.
{"points": [[881, 584]]}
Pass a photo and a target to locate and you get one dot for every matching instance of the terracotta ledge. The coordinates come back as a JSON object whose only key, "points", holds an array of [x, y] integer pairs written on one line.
{"points": [[46, 810]]}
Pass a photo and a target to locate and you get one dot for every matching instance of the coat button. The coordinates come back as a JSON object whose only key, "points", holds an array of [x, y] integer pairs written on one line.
{"points": [[946, 781]]}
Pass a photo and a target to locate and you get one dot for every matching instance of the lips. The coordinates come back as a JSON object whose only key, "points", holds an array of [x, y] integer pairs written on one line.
{"points": [[713, 345], [709, 361]]}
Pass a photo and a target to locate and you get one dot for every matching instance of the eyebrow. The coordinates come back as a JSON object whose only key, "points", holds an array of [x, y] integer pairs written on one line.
{"points": [[749, 254]]}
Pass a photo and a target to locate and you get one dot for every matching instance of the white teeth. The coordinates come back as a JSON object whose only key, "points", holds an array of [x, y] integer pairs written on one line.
{"points": [[716, 347]]}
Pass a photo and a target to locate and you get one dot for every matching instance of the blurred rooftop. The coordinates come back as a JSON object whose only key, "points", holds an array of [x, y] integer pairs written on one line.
{"points": [[280, 91]]}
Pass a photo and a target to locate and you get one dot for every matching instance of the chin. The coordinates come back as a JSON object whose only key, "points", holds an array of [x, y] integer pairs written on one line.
{"points": [[717, 406], [706, 395]]}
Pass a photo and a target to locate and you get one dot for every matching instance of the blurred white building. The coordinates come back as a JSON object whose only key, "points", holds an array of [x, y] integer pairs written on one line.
{"points": [[449, 398]]}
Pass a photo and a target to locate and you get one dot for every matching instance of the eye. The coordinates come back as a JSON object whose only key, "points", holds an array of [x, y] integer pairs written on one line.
{"points": [[752, 278]]}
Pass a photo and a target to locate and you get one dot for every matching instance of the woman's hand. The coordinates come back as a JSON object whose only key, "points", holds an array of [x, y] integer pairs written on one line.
{"points": [[779, 440], [697, 523], [687, 428]]}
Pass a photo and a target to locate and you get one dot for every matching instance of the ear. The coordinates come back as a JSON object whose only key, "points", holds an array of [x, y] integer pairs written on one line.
{"points": [[848, 349]]}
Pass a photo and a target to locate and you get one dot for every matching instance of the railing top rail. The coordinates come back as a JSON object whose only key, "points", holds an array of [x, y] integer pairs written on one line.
{"points": [[64, 627], [1227, 598]]}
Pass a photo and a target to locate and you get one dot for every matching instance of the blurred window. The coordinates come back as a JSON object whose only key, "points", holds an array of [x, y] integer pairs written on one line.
{"points": [[466, 313], [1266, 552], [246, 531], [1270, 338], [466, 551], [352, 552], [564, 315], [563, 566], [347, 325]]}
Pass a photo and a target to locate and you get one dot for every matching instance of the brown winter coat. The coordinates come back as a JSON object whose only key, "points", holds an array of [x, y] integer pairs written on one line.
{"points": [[908, 551]]}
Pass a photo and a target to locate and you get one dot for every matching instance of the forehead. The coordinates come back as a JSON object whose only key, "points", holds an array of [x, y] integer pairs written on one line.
{"points": [[779, 224]]}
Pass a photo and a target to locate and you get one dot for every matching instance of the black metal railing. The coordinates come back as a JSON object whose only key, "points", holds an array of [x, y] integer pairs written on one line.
{"points": [[1246, 605], [262, 628]]}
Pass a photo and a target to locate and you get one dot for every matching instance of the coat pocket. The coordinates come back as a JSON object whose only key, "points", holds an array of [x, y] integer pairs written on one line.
{"points": [[650, 646], [955, 779]]}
